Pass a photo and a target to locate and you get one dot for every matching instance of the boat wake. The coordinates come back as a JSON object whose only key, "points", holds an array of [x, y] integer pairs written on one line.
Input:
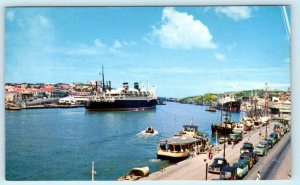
{"points": [[143, 134], [154, 160]]}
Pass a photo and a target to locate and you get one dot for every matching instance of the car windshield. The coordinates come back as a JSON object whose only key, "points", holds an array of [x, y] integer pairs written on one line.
{"points": [[259, 147], [247, 145]]}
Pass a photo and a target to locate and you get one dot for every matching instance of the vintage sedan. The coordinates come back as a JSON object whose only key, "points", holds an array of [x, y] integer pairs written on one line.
{"points": [[276, 136], [217, 164], [248, 158], [247, 147], [265, 144], [228, 173], [242, 168], [260, 150], [271, 141]]}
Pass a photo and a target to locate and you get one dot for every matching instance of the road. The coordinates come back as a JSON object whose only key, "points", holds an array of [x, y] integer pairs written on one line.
{"points": [[194, 168], [277, 164]]}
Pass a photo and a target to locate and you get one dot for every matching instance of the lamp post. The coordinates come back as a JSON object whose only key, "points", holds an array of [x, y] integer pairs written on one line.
{"points": [[206, 169], [266, 110], [226, 120]]}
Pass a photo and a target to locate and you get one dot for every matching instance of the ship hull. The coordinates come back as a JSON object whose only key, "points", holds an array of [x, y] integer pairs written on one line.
{"points": [[220, 130], [121, 105], [234, 106]]}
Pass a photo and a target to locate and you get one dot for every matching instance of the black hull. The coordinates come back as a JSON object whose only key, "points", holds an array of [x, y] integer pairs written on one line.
{"points": [[172, 159], [230, 106], [220, 130], [121, 105]]}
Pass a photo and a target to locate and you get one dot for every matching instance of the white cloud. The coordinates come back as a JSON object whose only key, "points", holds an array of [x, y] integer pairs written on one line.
{"points": [[117, 45], [10, 15], [235, 12], [98, 43], [89, 50], [219, 56], [181, 30]]}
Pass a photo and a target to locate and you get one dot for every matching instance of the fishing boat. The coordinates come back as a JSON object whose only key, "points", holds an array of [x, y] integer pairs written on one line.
{"points": [[211, 109], [106, 98], [135, 174], [224, 127], [149, 130]]}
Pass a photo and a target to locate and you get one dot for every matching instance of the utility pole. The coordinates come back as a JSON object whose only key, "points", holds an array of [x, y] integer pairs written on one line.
{"points": [[266, 109]]}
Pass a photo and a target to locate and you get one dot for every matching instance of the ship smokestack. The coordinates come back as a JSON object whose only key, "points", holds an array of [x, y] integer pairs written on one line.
{"points": [[136, 86], [125, 86]]}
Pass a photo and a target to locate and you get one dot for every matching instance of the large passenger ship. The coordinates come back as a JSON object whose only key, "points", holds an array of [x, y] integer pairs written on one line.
{"points": [[105, 98]]}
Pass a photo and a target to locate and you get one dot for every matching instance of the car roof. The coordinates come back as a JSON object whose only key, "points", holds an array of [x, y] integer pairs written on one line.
{"points": [[228, 168]]}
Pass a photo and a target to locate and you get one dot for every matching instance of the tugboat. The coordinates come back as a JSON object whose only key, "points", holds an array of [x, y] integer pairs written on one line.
{"points": [[105, 98]]}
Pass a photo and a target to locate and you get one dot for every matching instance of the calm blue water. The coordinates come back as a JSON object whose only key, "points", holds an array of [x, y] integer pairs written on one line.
{"points": [[60, 144]]}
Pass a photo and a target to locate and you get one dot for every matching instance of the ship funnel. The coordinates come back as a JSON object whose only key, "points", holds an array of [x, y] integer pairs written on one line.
{"points": [[136, 86], [125, 86]]}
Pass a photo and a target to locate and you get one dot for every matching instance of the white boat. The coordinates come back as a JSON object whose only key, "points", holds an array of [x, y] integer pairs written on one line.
{"points": [[135, 174], [178, 147]]}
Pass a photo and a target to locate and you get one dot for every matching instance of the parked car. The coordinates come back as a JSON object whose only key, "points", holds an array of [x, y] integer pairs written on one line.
{"points": [[247, 147], [223, 139], [273, 140], [228, 173], [276, 128], [217, 164], [270, 142], [281, 132], [260, 150], [275, 136], [235, 137], [242, 168], [265, 144], [254, 156], [248, 158]]}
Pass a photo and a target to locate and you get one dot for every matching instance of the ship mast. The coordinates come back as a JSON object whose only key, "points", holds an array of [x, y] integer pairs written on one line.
{"points": [[103, 83]]}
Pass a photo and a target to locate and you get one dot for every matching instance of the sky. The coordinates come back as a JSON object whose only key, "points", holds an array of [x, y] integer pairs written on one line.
{"points": [[183, 51]]}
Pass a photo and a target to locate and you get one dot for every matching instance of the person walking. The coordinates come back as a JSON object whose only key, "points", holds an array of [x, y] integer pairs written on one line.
{"points": [[258, 176]]}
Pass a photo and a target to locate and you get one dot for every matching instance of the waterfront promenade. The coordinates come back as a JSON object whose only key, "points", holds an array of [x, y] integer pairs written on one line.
{"points": [[194, 168]]}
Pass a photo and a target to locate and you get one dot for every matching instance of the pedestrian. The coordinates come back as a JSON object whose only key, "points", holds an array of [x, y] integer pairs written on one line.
{"points": [[258, 176]]}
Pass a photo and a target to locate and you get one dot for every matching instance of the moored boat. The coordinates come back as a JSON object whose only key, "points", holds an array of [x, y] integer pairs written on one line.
{"points": [[105, 98], [211, 109], [229, 103], [223, 128], [177, 147], [135, 174]]}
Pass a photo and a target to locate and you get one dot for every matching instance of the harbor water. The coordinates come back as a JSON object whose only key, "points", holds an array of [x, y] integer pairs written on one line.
{"points": [[60, 144]]}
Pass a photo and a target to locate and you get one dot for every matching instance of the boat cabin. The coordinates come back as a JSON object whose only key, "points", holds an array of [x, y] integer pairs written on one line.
{"points": [[176, 147]]}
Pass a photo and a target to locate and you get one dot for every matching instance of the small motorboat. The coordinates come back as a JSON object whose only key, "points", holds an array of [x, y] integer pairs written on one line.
{"points": [[149, 130], [135, 174], [211, 109]]}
